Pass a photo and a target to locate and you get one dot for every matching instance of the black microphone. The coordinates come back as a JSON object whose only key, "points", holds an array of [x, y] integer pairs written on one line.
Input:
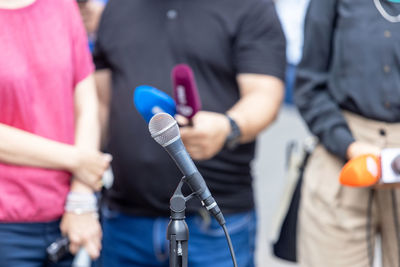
{"points": [[58, 249], [165, 131]]}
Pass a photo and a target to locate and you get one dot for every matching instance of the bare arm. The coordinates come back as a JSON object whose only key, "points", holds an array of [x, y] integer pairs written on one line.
{"points": [[19, 147], [87, 135], [84, 229], [261, 97], [103, 84]]}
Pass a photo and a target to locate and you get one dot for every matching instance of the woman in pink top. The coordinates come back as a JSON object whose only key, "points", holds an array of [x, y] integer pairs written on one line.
{"points": [[49, 132]]}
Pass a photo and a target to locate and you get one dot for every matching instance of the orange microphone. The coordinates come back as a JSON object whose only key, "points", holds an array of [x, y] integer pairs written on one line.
{"points": [[362, 171], [369, 169]]}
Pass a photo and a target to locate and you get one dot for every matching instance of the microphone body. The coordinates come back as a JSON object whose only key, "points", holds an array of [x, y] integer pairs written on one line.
{"points": [[58, 249], [186, 95], [179, 154], [165, 131], [150, 101]]}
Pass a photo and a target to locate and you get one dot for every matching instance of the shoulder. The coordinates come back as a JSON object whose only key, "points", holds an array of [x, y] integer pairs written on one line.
{"points": [[245, 11], [259, 7], [66, 5], [63, 8], [258, 13], [244, 6]]}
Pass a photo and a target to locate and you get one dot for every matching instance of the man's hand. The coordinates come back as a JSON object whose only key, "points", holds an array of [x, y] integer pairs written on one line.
{"points": [[82, 231], [207, 135], [359, 148], [89, 167]]}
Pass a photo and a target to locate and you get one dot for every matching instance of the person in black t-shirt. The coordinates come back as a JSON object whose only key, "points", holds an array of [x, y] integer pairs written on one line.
{"points": [[237, 52]]}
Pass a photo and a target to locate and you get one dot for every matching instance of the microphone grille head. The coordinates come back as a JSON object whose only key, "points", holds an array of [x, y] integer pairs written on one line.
{"points": [[164, 129]]}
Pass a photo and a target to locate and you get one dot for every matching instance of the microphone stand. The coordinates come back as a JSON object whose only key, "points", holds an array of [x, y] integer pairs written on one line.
{"points": [[178, 231]]}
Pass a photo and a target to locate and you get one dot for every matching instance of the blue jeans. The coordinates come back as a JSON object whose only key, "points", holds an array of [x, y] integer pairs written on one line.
{"points": [[24, 244], [141, 241]]}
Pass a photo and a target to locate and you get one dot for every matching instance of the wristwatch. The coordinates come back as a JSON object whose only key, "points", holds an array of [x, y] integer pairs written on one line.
{"points": [[233, 139]]}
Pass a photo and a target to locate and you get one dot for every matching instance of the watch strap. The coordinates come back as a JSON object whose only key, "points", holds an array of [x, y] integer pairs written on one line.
{"points": [[233, 138]]}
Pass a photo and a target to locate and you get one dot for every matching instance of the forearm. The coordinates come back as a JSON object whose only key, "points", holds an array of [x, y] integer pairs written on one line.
{"points": [[103, 85], [258, 106], [19, 147], [87, 133]]}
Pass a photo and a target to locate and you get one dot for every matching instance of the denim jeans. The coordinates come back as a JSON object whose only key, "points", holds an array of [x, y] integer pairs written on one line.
{"points": [[24, 244], [132, 241]]}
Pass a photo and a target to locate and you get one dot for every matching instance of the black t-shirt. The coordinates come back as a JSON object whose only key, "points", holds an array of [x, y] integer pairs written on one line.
{"points": [[141, 41]]}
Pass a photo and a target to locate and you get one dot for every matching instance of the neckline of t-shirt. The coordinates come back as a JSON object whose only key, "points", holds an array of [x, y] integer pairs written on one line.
{"points": [[19, 9]]}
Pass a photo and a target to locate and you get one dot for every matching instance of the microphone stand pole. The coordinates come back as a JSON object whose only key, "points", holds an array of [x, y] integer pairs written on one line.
{"points": [[178, 231]]}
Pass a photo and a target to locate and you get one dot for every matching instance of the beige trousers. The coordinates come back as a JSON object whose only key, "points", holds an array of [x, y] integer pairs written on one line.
{"points": [[333, 218]]}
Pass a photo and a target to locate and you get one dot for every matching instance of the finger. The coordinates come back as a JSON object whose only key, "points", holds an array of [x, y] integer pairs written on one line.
{"points": [[92, 249], [95, 186], [196, 153], [74, 248], [98, 185], [97, 242], [191, 137], [63, 228], [195, 133], [107, 157], [74, 238], [182, 121]]}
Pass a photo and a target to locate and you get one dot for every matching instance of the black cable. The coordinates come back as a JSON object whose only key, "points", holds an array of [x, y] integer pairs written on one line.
{"points": [[369, 218], [228, 238], [396, 222]]}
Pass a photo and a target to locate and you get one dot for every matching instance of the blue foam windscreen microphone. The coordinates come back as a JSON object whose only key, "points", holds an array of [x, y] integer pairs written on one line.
{"points": [[150, 101]]}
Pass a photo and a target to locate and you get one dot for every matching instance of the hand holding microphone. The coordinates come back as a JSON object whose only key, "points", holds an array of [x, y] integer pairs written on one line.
{"points": [[207, 136], [209, 130], [82, 230]]}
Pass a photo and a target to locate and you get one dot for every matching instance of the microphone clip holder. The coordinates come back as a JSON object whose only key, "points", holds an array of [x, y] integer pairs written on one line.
{"points": [[178, 231]]}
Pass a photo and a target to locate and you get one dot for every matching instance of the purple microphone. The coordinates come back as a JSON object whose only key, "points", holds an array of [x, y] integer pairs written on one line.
{"points": [[185, 91]]}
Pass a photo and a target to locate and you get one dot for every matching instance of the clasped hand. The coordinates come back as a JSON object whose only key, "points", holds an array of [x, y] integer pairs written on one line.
{"points": [[89, 166]]}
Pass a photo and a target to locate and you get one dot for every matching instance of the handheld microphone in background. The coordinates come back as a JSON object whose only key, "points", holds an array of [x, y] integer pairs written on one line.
{"points": [[368, 170], [150, 101], [361, 171], [164, 130], [186, 95], [58, 249]]}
